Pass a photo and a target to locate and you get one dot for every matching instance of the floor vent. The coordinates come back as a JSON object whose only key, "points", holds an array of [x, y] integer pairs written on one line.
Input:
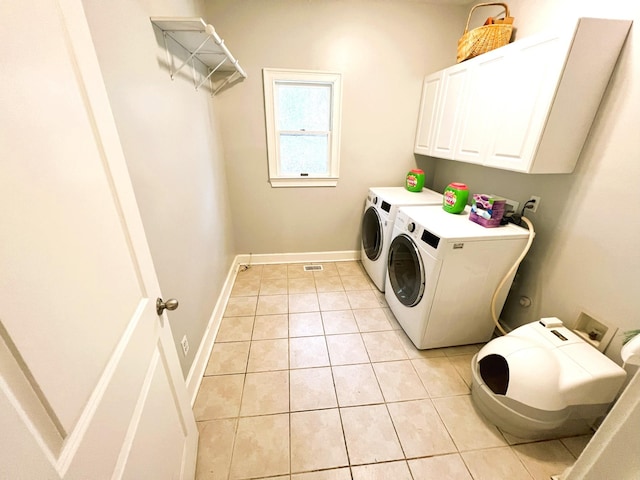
{"points": [[313, 268]]}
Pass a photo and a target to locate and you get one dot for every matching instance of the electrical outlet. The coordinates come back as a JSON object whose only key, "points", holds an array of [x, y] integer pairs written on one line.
{"points": [[512, 205], [185, 345], [534, 206]]}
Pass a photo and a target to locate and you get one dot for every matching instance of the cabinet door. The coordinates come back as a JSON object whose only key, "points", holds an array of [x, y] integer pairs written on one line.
{"points": [[527, 80], [427, 114], [483, 98], [454, 82]]}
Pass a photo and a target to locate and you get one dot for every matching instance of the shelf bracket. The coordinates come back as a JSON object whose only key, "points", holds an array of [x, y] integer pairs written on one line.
{"points": [[228, 80], [211, 73], [193, 54]]}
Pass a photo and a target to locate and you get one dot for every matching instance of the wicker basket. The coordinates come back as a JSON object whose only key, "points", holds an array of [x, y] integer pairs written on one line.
{"points": [[496, 32]]}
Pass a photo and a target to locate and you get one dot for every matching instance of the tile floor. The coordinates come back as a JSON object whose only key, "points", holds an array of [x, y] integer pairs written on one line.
{"points": [[312, 378]]}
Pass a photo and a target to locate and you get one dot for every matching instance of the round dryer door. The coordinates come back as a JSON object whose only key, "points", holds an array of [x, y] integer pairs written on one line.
{"points": [[406, 271], [372, 233]]}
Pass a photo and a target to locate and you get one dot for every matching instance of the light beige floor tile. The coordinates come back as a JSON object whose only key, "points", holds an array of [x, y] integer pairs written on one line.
{"points": [[382, 471], [307, 352], [440, 377], [512, 439], [273, 286], [469, 430], [421, 432], [235, 329], [355, 282], [303, 302], [328, 270], [339, 321], [272, 304], [261, 447], [248, 286], [268, 355], [219, 397], [443, 467], [356, 385], [312, 389], [350, 268], [296, 270], [364, 299], [494, 463], [371, 320], [576, 444], [462, 364], [346, 349], [334, 474], [391, 318], [304, 284], [462, 350], [543, 459], [215, 446], [305, 324], [228, 358], [412, 351], [249, 271], [274, 271], [380, 296], [317, 441], [399, 381], [333, 301], [328, 284], [265, 393], [370, 435], [241, 307], [268, 327], [384, 346]]}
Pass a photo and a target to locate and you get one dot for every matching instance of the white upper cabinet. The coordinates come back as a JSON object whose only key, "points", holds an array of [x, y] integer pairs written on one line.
{"points": [[427, 119], [448, 116], [526, 107]]}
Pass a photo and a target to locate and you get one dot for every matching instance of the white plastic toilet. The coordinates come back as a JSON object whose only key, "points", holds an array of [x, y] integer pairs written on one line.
{"points": [[542, 381]]}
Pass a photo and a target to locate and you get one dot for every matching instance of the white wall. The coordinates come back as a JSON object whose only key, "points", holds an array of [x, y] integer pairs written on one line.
{"points": [[169, 133], [383, 49], [585, 256]]}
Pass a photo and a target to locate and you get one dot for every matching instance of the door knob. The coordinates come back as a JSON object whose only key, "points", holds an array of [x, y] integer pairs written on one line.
{"points": [[170, 304]]}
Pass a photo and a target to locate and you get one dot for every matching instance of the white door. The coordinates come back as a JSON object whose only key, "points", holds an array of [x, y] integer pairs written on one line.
{"points": [[90, 385]]}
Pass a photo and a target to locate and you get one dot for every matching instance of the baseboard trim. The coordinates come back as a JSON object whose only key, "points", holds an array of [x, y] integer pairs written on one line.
{"points": [[199, 365], [311, 257]]}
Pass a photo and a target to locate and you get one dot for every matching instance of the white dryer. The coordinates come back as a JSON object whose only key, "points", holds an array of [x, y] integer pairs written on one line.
{"points": [[380, 211], [442, 272]]}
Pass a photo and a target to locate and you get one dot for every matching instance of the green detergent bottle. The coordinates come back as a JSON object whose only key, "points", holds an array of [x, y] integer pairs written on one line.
{"points": [[415, 180], [455, 197]]}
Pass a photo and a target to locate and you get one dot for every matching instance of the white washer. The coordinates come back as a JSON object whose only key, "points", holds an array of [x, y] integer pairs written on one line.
{"points": [[442, 272], [380, 211]]}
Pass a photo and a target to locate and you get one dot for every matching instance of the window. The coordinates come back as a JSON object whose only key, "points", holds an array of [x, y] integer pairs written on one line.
{"points": [[302, 112]]}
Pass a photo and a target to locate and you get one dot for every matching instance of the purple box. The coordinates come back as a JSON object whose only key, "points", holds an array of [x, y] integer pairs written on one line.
{"points": [[488, 223], [487, 210]]}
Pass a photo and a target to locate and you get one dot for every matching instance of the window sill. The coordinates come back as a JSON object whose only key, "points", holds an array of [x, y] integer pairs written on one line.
{"points": [[303, 182]]}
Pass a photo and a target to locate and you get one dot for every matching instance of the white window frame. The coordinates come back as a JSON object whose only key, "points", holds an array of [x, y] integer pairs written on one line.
{"points": [[271, 76]]}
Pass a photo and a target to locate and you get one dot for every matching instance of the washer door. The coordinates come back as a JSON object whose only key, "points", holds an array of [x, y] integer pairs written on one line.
{"points": [[372, 233], [406, 271]]}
